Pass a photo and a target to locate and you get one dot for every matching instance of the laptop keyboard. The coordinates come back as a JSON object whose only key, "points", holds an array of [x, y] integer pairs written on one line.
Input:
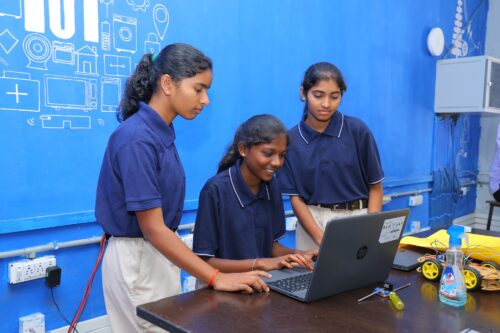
{"points": [[294, 283]]}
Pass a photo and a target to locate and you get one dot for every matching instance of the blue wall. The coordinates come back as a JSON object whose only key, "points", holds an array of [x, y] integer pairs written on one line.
{"points": [[52, 150]]}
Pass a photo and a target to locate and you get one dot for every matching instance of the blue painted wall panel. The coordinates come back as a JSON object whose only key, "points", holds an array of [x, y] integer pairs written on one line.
{"points": [[51, 157]]}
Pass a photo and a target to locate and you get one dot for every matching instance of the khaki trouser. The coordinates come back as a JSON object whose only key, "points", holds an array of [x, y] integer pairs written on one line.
{"points": [[321, 216], [134, 273]]}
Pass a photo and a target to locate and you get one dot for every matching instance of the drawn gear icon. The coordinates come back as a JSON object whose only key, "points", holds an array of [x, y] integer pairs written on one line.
{"points": [[138, 4]]}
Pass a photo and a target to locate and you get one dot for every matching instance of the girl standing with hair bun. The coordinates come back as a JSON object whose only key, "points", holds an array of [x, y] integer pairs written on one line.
{"points": [[240, 215], [332, 167], [140, 192]]}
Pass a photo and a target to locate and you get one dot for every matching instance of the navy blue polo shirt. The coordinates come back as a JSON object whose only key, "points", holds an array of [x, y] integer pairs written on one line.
{"points": [[233, 223], [140, 170], [332, 167]]}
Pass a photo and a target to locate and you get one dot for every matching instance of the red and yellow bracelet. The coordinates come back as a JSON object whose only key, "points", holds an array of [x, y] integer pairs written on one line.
{"points": [[212, 278]]}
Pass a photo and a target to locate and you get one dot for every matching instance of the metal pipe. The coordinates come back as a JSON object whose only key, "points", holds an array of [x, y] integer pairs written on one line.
{"points": [[402, 194], [31, 252]]}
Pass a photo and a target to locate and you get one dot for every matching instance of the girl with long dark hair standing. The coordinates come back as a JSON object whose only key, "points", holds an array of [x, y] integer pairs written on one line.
{"points": [[140, 193]]}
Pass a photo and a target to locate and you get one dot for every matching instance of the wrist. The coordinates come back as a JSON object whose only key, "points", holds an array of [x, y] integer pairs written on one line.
{"points": [[257, 265], [254, 265], [211, 281]]}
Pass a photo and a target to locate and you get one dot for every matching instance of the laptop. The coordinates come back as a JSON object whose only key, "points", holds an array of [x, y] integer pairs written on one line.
{"points": [[356, 251]]}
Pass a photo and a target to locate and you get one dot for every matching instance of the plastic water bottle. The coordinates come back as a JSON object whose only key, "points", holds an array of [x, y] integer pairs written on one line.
{"points": [[452, 290]]}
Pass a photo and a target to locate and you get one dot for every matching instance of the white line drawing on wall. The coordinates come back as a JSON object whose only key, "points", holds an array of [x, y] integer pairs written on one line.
{"points": [[30, 121], [137, 5], [111, 88], [107, 3], [117, 65], [65, 92], [161, 19], [11, 8], [56, 121], [125, 33], [7, 41], [19, 92], [86, 59], [37, 49], [63, 53], [460, 47], [100, 122], [151, 45], [105, 35], [2, 61]]}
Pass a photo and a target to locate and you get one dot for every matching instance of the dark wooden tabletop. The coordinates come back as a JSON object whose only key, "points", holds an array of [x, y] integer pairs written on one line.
{"points": [[211, 311]]}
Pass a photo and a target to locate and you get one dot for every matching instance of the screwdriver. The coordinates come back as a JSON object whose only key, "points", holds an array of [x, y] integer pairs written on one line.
{"points": [[387, 286], [396, 301]]}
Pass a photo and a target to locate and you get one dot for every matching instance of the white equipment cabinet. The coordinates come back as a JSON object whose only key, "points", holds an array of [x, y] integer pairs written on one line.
{"points": [[468, 85]]}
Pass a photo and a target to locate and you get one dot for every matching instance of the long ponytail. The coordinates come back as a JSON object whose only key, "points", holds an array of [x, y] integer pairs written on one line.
{"points": [[232, 153], [138, 88], [180, 61]]}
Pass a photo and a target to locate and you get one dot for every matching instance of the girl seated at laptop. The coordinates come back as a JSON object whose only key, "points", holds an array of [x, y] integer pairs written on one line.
{"points": [[240, 214]]}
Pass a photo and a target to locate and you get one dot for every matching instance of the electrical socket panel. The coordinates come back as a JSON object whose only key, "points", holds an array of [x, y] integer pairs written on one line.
{"points": [[188, 240], [416, 200], [34, 323], [188, 284], [30, 269], [291, 223]]}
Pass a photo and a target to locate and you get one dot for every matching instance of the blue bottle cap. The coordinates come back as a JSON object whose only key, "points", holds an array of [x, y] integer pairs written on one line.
{"points": [[456, 233]]}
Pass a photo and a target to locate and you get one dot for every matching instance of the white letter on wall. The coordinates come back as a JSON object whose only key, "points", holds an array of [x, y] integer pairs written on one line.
{"points": [[34, 15], [56, 20], [91, 19]]}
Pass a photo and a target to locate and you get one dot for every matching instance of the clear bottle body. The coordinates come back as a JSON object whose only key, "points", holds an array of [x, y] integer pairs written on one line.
{"points": [[452, 289]]}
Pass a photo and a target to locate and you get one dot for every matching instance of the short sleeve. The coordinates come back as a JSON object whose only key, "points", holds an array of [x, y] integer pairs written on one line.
{"points": [[205, 238], [371, 158], [286, 180], [279, 223], [137, 166]]}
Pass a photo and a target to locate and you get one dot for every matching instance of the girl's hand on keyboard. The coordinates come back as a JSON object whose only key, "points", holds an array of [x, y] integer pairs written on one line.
{"points": [[286, 261]]}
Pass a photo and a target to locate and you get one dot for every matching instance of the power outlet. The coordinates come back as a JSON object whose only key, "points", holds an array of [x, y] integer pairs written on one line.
{"points": [[188, 240], [189, 284], [416, 200], [34, 323], [291, 223], [30, 269]]}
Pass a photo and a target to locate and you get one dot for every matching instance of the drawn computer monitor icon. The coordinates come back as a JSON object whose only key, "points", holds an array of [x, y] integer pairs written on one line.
{"points": [[64, 92]]}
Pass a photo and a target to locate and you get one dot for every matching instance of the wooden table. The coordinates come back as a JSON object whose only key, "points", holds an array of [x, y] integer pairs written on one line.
{"points": [[211, 311]]}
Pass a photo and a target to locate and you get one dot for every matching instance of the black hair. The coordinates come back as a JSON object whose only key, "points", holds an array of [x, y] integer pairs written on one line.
{"points": [[180, 61], [256, 130], [322, 71]]}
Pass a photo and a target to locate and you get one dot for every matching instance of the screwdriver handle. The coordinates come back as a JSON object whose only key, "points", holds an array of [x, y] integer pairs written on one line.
{"points": [[396, 301]]}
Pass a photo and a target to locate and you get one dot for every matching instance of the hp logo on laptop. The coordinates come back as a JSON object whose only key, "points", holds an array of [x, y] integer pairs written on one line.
{"points": [[362, 252]]}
